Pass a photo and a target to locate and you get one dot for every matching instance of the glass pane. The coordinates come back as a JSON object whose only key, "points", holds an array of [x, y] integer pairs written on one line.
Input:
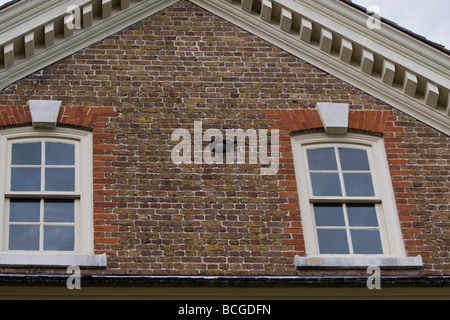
{"points": [[59, 211], [358, 184], [332, 241], [354, 159], [59, 154], [59, 238], [25, 179], [60, 179], [23, 237], [325, 184], [362, 215], [26, 153], [366, 242], [24, 210], [329, 215], [322, 159]]}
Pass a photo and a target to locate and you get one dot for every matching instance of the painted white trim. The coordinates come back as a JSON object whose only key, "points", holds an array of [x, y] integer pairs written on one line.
{"points": [[52, 260], [317, 262], [392, 237], [84, 185], [334, 117], [348, 25], [25, 21], [374, 61], [44, 113]]}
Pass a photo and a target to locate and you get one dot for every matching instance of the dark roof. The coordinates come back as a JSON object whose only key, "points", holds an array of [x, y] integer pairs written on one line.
{"points": [[223, 281], [402, 29], [9, 3]]}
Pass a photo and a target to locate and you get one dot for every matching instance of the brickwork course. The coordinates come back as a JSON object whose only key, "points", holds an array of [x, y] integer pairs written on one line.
{"points": [[184, 64]]}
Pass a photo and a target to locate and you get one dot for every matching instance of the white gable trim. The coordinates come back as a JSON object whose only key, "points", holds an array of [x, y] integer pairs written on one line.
{"points": [[375, 61], [388, 64]]}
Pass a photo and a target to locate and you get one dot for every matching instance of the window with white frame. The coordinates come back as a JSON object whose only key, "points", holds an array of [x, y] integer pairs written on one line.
{"points": [[346, 196], [46, 192], [42, 195]]}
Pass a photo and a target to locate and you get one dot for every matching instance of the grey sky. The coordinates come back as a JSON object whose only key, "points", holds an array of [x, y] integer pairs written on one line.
{"points": [[428, 18]]}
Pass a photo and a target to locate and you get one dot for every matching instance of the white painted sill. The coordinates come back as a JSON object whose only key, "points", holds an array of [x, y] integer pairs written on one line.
{"points": [[52, 260], [318, 262]]}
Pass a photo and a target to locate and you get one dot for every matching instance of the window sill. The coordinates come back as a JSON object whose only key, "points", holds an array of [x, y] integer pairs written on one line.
{"points": [[327, 262], [52, 260]]}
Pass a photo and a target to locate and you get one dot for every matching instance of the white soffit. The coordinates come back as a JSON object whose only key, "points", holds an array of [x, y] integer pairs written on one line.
{"points": [[35, 34], [386, 63]]}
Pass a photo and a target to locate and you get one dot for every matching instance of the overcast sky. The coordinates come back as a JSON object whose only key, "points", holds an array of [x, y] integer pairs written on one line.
{"points": [[428, 18]]}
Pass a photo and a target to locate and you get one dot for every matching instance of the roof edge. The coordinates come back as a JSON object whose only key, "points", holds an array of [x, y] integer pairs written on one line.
{"points": [[225, 281], [333, 36]]}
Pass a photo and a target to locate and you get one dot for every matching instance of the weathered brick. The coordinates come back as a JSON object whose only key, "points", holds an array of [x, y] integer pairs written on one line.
{"points": [[210, 219]]}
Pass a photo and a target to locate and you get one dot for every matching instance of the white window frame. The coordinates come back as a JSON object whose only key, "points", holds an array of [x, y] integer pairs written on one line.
{"points": [[83, 254], [393, 246]]}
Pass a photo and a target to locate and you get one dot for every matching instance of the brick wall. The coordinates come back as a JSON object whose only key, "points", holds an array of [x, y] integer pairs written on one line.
{"points": [[182, 65]]}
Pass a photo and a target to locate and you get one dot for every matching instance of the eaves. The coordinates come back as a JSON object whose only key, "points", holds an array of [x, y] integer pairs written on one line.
{"points": [[391, 65]]}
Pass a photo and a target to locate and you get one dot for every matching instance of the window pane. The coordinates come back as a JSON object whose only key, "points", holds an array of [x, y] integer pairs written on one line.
{"points": [[24, 210], [333, 241], [362, 215], [329, 215], [59, 211], [59, 238], [353, 159], [325, 184], [23, 237], [26, 153], [59, 154], [366, 242], [322, 159], [60, 179], [25, 179], [358, 184]]}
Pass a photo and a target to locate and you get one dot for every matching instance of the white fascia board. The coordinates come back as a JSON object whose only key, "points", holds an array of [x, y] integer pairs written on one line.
{"points": [[81, 40], [390, 43], [352, 31]]}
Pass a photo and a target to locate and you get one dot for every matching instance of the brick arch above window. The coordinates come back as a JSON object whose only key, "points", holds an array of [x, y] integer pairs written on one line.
{"points": [[81, 117], [372, 121]]}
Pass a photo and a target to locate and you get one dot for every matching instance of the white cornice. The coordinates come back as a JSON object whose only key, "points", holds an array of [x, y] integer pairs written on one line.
{"points": [[385, 48], [386, 63], [63, 42]]}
